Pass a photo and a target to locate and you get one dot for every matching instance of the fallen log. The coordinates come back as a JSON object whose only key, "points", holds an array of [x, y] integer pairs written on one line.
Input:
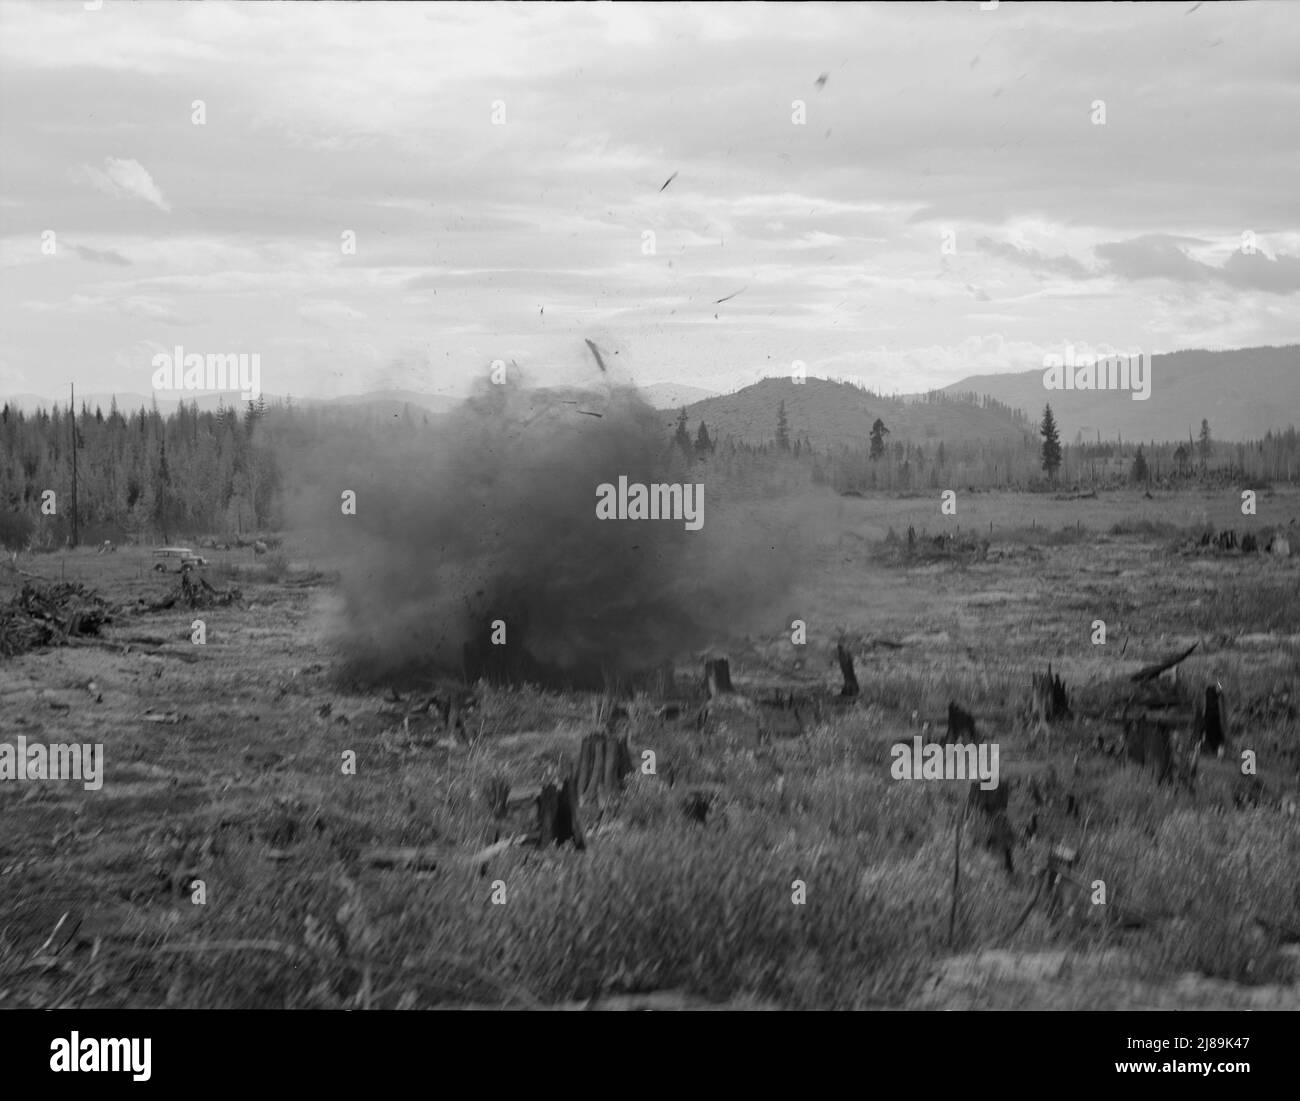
{"points": [[429, 858], [1153, 671]]}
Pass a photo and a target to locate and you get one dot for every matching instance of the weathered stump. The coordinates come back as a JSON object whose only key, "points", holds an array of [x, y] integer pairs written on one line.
{"points": [[558, 819], [1210, 721], [717, 676], [603, 761], [496, 794], [850, 689], [1147, 744], [961, 724], [1048, 700]]}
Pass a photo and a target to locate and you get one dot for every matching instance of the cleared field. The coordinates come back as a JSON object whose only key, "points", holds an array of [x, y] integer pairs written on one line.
{"points": [[224, 763]]}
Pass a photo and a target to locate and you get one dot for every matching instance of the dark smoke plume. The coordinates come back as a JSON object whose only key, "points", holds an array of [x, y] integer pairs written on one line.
{"points": [[491, 515]]}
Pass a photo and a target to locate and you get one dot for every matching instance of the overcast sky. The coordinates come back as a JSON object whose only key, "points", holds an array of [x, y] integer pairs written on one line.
{"points": [[477, 241]]}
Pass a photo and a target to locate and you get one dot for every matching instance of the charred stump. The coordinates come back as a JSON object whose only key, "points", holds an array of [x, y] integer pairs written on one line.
{"points": [[558, 819], [541, 815], [842, 655], [1210, 724], [1048, 699], [1147, 745], [961, 724], [992, 806], [717, 676]]}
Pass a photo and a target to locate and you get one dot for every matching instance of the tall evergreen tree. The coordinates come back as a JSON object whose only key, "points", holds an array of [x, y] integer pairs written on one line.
{"points": [[1206, 444], [1051, 444], [682, 437], [878, 434], [1140, 471], [703, 444], [782, 428]]}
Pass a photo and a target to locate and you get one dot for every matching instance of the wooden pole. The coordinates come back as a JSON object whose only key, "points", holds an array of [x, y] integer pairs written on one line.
{"points": [[956, 874], [845, 659]]}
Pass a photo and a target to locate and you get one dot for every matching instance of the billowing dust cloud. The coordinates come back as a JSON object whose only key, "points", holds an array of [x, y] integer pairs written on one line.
{"points": [[490, 515]]}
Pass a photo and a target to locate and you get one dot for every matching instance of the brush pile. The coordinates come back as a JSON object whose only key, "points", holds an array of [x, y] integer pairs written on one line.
{"points": [[194, 593], [47, 615]]}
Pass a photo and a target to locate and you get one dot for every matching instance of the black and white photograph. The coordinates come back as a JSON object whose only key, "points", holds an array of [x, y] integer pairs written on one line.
{"points": [[650, 507]]}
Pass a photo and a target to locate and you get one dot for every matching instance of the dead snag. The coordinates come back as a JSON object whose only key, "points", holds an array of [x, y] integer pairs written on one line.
{"points": [[603, 761], [850, 689], [717, 676]]}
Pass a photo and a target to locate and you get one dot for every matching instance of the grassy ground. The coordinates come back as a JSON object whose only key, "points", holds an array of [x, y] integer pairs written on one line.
{"points": [[245, 792]]}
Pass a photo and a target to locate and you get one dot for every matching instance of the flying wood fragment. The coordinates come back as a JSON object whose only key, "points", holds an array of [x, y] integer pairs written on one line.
{"points": [[669, 180], [596, 352], [729, 297]]}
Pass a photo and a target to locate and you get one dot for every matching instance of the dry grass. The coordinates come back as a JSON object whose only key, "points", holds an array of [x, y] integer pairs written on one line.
{"points": [[246, 793]]}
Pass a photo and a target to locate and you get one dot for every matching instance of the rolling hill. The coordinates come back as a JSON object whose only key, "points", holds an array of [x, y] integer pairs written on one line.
{"points": [[1242, 393], [673, 395], [833, 413]]}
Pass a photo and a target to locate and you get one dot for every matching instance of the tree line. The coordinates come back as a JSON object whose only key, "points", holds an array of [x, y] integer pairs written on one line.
{"points": [[142, 475]]}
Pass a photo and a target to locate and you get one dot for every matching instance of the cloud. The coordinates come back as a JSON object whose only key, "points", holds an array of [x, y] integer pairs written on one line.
{"points": [[105, 256], [1258, 272], [153, 309], [1034, 260], [125, 179], [1153, 256], [1157, 256], [330, 314]]}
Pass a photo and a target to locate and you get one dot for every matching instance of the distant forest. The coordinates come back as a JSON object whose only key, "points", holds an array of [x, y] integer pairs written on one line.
{"points": [[142, 476]]}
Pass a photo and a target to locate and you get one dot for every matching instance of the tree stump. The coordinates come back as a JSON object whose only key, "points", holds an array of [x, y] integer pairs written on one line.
{"points": [[850, 689], [1210, 720], [717, 676], [558, 820], [1048, 700], [603, 761]]}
